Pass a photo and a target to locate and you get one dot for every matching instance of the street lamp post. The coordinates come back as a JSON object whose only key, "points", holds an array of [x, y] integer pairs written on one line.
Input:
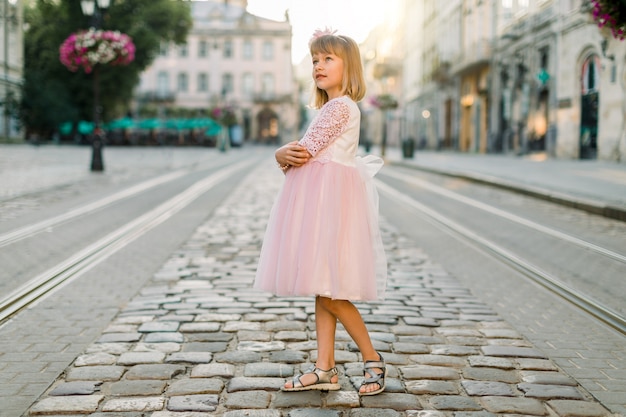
{"points": [[95, 9]]}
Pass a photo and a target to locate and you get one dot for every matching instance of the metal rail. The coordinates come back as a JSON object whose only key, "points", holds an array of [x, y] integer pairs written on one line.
{"points": [[588, 304], [92, 255]]}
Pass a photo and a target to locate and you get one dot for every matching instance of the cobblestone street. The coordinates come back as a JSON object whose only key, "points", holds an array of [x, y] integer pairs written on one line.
{"points": [[198, 341]]}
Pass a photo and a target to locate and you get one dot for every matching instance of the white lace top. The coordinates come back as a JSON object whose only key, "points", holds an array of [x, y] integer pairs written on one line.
{"points": [[333, 135]]}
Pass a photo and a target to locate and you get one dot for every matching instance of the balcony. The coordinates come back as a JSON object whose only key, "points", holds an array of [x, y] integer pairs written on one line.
{"points": [[157, 96], [475, 55]]}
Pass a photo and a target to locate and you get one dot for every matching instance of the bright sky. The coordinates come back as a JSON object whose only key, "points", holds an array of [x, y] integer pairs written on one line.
{"points": [[354, 18]]}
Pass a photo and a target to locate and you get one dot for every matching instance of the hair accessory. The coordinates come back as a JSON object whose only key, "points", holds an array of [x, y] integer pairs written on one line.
{"points": [[319, 33]]}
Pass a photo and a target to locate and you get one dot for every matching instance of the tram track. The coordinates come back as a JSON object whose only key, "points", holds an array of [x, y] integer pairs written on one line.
{"points": [[90, 256], [530, 270]]}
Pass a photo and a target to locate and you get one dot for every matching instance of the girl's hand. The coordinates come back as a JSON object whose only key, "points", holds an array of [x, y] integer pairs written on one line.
{"points": [[292, 155]]}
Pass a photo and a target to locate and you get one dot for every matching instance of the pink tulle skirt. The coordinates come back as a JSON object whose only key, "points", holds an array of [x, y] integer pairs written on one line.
{"points": [[323, 236]]}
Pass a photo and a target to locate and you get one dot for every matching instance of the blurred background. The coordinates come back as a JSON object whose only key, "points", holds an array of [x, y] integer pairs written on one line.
{"points": [[476, 76]]}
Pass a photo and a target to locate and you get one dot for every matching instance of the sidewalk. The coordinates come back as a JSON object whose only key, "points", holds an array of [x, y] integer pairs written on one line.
{"points": [[595, 186], [199, 341]]}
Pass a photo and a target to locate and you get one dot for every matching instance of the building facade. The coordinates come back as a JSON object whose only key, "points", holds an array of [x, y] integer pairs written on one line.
{"points": [[514, 76], [12, 58], [232, 63]]}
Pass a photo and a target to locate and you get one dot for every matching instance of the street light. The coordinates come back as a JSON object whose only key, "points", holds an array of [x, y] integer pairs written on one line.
{"points": [[95, 9]]}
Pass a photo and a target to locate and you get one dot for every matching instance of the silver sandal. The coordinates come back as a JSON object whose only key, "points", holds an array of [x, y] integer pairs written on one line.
{"points": [[374, 377], [323, 383]]}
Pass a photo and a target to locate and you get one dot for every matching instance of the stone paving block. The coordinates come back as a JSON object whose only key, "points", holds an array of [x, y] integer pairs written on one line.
{"points": [[158, 327], [189, 357], [454, 403], [491, 374], [425, 387], [136, 388], [288, 356], [490, 362], [548, 378], [167, 347], [239, 357], [211, 370], [135, 358], [199, 327], [430, 372], [67, 405], [134, 404], [544, 391], [112, 348], [163, 337], [100, 358], [76, 388], [297, 399], [167, 413], [394, 401], [343, 399], [213, 347], [487, 388], [374, 412], [513, 351], [96, 373], [195, 386], [268, 369], [307, 412], [514, 405], [248, 384], [200, 402], [161, 371], [248, 399], [572, 408], [438, 360], [253, 413]]}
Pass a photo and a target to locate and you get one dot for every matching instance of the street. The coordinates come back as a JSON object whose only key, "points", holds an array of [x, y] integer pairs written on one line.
{"points": [[139, 279]]}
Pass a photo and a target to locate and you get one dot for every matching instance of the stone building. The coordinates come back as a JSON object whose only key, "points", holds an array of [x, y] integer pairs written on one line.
{"points": [[12, 59], [233, 62], [514, 76]]}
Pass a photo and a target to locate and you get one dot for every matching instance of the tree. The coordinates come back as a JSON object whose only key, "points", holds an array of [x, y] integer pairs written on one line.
{"points": [[51, 94]]}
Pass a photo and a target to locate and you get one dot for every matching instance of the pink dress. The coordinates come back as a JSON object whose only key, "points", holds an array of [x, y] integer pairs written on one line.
{"points": [[323, 236]]}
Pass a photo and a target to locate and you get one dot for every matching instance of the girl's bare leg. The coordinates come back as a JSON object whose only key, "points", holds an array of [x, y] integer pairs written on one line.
{"points": [[350, 317], [325, 328]]}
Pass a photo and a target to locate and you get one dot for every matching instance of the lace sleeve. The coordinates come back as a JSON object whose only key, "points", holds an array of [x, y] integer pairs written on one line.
{"points": [[326, 127]]}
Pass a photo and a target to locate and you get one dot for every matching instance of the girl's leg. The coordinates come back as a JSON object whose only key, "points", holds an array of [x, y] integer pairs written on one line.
{"points": [[350, 317], [325, 327]]}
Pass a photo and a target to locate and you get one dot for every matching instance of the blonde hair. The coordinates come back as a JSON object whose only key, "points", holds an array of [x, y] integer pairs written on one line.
{"points": [[353, 81]]}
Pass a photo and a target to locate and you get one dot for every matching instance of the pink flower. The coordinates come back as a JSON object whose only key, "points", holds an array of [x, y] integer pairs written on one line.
{"points": [[88, 48]]}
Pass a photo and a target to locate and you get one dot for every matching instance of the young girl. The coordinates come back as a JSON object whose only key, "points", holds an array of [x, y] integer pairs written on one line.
{"points": [[322, 237]]}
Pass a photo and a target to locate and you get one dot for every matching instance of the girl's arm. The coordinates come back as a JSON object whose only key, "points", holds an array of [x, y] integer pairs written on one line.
{"points": [[330, 123], [291, 155]]}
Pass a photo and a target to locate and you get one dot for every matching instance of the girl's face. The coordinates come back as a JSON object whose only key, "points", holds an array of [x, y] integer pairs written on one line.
{"points": [[328, 73]]}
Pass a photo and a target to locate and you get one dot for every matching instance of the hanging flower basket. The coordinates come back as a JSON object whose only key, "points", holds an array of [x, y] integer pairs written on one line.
{"points": [[86, 49], [610, 14]]}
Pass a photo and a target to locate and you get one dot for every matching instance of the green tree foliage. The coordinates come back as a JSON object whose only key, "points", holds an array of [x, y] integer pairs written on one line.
{"points": [[52, 94]]}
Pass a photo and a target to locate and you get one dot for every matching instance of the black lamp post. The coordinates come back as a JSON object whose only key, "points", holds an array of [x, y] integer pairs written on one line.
{"points": [[95, 9]]}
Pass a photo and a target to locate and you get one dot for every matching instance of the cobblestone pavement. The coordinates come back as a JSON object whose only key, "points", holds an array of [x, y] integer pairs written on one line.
{"points": [[199, 341]]}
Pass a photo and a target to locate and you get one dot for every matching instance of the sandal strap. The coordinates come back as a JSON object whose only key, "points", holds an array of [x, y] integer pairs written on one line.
{"points": [[374, 364], [321, 375]]}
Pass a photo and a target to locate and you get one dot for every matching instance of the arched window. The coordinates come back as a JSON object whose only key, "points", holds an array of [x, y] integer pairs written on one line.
{"points": [[591, 75]]}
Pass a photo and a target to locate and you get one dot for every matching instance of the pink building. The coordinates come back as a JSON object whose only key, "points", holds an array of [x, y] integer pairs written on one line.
{"points": [[232, 61]]}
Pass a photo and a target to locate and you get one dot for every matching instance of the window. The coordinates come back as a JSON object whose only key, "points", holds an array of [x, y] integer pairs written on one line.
{"points": [[227, 84], [247, 83], [248, 51], [163, 49], [268, 50], [268, 84], [228, 48], [203, 49], [183, 51], [183, 82], [203, 82], [163, 84]]}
